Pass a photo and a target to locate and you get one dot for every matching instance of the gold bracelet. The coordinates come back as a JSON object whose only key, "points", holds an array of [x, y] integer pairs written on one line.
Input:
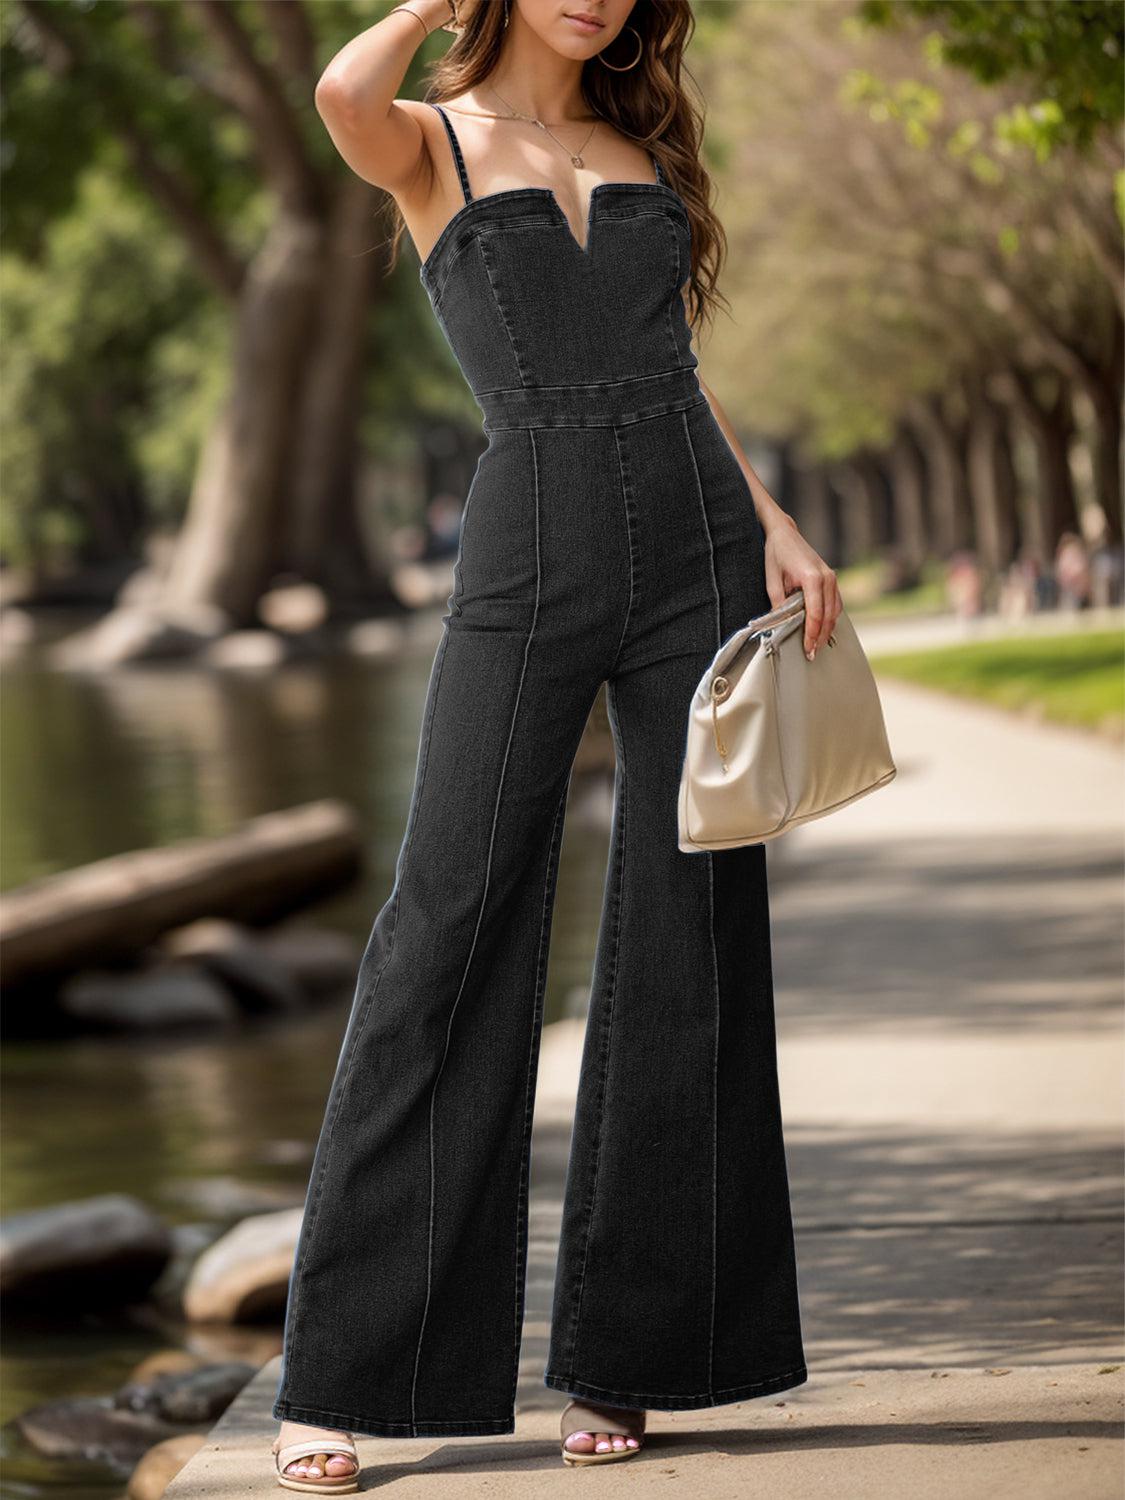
{"points": [[413, 13]]}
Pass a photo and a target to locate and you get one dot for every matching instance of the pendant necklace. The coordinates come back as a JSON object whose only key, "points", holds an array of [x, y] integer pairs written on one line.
{"points": [[575, 156]]}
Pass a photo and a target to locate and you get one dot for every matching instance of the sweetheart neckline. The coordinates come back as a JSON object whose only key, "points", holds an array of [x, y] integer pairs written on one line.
{"points": [[426, 267]]}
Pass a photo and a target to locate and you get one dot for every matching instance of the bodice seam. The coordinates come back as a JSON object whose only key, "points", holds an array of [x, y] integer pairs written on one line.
{"points": [[426, 269]]}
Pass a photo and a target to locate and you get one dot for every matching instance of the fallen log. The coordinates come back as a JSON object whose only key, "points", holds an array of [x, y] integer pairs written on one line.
{"points": [[110, 909]]}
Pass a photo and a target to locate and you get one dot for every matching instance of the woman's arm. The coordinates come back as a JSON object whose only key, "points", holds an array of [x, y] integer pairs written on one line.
{"points": [[769, 512], [378, 135], [790, 562]]}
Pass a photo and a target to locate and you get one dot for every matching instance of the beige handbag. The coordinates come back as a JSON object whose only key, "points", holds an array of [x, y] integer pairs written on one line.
{"points": [[774, 740]]}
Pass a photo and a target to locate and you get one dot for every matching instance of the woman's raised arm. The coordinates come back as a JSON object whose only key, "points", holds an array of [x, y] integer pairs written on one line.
{"points": [[378, 135]]}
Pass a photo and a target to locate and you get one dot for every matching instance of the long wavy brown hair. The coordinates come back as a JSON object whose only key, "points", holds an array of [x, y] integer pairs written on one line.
{"points": [[649, 104]]}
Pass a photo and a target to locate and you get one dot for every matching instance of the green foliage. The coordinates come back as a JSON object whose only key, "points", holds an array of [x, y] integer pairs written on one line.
{"points": [[1070, 51], [916, 106], [116, 343], [886, 235], [78, 328]]}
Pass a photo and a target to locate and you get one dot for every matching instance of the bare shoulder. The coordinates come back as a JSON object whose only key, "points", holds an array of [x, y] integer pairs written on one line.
{"points": [[417, 191], [431, 194]]}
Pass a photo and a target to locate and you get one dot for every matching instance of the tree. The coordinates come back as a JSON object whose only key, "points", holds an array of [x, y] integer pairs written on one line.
{"points": [[206, 108], [1069, 51], [908, 280]]}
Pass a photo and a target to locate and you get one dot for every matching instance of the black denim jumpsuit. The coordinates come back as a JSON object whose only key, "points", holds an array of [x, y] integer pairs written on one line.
{"points": [[608, 535]]}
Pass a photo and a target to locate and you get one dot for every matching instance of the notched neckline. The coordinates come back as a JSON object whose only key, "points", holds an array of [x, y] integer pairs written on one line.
{"points": [[425, 270]]}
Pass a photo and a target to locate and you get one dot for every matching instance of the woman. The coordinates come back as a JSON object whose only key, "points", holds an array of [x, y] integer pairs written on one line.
{"points": [[613, 532]]}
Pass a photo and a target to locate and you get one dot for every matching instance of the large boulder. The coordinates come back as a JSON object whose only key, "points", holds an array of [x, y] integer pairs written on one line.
{"points": [[244, 1276], [95, 1251]]}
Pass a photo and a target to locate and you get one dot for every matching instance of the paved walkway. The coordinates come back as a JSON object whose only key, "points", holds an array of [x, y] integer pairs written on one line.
{"points": [[948, 963]]}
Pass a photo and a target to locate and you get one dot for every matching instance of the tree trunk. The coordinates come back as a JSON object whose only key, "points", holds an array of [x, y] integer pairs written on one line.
{"points": [[111, 909], [943, 441], [992, 480], [817, 509], [1105, 397], [908, 485], [856, 481], [227, 550], [787, 492], [1049, 422], [322, 538]]}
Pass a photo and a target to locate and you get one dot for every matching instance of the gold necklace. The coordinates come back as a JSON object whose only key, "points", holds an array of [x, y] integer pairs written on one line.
{"points": [[576, 158]]}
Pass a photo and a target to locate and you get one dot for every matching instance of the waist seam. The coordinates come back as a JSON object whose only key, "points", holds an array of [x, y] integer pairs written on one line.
{"points": [[595, 403]]}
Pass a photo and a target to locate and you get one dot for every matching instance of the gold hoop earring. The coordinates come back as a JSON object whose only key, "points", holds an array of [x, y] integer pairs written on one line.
{"points": [[507, 12], [614, 67]]}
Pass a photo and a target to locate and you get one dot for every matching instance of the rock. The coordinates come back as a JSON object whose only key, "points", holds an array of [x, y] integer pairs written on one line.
{"points": [[248, 650], [172, 995], [138, 632], [161, 1464], [195, 1397], [320, 961], [238, 958], [375, 638], [96, 1251], [245, 1275], [294, 607], [92, 1428]]}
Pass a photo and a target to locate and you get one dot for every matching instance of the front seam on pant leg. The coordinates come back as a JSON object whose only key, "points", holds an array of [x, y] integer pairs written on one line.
{"points": [[714, 950], [293, 1302], [480, 918], [627, 505], [608, 1025], [714, 1126], [529, 1097]]}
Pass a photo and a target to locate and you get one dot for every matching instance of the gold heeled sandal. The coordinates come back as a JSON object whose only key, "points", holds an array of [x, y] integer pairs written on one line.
{"points": [[580, 1416]]}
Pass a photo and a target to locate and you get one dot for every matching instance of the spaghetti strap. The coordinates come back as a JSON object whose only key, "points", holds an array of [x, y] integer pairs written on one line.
{"points": [[457, 156], [657, 168]]}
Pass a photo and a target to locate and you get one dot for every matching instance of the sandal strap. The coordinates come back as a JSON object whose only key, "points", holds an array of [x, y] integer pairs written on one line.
{"points": [[294, 1451], [580, 1416]]}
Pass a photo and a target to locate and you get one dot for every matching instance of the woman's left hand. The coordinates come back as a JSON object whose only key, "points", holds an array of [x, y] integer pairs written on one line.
{"points": [[792, 564]]}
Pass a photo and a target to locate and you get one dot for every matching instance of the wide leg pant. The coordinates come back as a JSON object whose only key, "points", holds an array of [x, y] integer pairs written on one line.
{"points": [[623, 554]]}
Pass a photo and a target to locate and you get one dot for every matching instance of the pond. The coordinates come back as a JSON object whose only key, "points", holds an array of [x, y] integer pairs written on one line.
{"points": [[95, 764]]}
